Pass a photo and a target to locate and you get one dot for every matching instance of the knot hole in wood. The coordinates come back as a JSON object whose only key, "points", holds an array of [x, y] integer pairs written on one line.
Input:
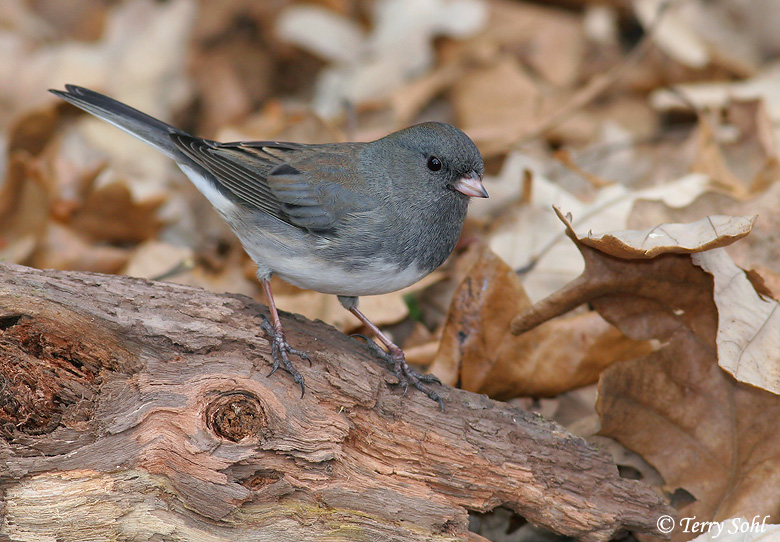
{"points": [[236, 415]]}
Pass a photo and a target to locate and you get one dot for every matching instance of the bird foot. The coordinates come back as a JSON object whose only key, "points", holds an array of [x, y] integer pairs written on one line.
{"points": [[281, 352], [405, 374]]}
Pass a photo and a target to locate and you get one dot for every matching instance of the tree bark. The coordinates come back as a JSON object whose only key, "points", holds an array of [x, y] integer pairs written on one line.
{"points": [[138, 410]]}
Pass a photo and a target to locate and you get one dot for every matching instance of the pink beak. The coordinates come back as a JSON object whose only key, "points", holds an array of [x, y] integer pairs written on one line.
{"points": [[471, 185]]}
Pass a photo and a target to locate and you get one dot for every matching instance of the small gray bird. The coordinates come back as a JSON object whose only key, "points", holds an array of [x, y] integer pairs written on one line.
{"points": [[348, 219]]}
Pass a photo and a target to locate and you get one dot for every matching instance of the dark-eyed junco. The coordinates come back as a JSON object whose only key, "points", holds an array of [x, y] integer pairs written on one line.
{"points": [[348, 219]]}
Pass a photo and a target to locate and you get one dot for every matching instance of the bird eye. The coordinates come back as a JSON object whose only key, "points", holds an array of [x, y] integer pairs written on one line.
{"points": [[434, 164]]}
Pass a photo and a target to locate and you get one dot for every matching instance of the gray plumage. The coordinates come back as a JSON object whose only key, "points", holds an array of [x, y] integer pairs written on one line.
{"points": [[349, 218]]}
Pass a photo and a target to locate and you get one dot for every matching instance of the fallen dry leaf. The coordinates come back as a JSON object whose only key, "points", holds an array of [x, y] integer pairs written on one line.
{"points": [[702, 430], [110, 214], [366, 67], [62, 248], [717, 96], [764, 281], [700, 33], [153, 259], [550, 40], [748, 337], [141, 60], [32, 131], [24, 208], [497, 104], [81, 20], [737, 148], [478, 352], [706, 234], [675, 32], [411, 98], [530, 238], [754, 151], [759, 249], [622, 269], [141, 47]]}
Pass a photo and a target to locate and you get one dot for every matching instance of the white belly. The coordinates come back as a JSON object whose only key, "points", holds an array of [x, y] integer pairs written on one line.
{"points": [[378, 278]]}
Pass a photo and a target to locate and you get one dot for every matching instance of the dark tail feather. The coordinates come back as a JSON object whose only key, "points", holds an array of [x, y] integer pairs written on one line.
{"points": [[148, 129]]}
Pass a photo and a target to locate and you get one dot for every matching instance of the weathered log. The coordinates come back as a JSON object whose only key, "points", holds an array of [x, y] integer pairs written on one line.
{"points": [[138, 410]]}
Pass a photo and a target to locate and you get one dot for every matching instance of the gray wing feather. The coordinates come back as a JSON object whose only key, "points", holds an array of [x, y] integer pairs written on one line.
{"points": [[264, 175], [236, 181]]}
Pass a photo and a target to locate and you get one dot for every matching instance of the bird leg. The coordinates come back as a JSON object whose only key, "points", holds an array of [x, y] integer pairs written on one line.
{"points": [[395, 358], [280, 349]]}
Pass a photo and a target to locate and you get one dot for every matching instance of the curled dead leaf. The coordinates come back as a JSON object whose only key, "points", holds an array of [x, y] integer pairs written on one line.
{"points": [[702, 430], [748, 337], [610, 270], [706, 234], [478, 350]]}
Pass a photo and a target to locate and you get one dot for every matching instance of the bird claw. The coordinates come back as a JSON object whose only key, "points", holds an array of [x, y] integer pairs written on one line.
{"points": [[281, 352], [405, 374]]}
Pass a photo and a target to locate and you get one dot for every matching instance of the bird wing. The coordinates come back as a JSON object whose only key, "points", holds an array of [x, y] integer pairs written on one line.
{"points": [[290, 181]]}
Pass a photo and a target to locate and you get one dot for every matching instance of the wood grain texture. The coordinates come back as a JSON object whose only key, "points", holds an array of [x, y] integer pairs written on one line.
{"points": [[140, 410]]}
